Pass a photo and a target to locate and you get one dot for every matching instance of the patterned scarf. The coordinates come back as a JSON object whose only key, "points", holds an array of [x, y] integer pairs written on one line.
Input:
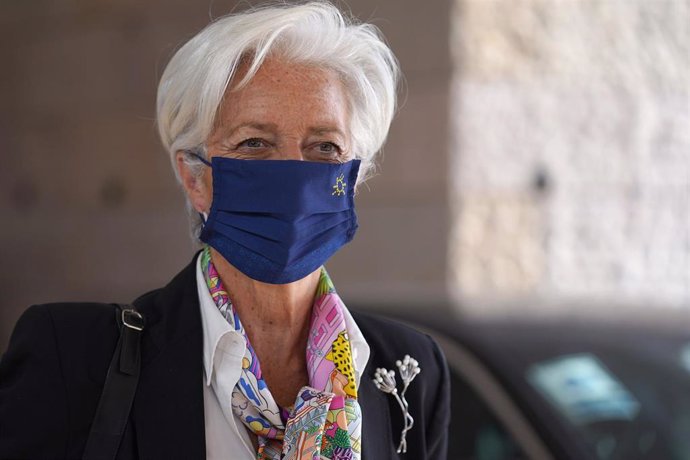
{"points": [[325, 422]]}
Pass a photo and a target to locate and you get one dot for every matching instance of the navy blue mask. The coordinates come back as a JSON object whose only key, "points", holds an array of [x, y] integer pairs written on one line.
{"points": [[279, 220]]}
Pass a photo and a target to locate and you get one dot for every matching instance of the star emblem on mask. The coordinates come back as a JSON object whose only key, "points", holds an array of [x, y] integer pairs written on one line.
{"points": [[340, 185]]}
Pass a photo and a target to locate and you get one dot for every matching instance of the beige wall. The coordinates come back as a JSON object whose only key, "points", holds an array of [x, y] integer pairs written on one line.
{"points": [[571, 155], [88, 205]]}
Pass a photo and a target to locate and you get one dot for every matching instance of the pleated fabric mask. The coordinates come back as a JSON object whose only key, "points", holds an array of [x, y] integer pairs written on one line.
{"points": [[279, 220]]}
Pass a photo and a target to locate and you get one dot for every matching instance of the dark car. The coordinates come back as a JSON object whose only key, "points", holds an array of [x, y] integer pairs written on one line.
{"points": [[567, 389]]}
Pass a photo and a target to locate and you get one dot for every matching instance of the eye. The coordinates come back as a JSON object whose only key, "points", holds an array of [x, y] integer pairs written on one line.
{"points": [[252, 143], [329, 148]]}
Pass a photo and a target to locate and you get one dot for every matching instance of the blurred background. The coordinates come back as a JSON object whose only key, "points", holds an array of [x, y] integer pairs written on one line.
{"points": [[539, 163]]}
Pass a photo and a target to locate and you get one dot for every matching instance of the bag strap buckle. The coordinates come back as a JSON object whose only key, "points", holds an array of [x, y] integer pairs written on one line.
{"points": [[132, 319]]}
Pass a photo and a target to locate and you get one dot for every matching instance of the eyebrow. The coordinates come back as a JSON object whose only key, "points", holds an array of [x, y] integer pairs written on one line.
{"points": [[268, 127], [252, 125], [319, 130]]}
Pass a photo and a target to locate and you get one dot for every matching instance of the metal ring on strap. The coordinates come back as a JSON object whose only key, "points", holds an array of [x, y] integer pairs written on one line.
{"points": [[132, 319]]}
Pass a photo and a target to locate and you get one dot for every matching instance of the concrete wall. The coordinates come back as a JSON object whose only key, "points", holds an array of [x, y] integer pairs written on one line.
{"points": [[571, 159], [88, 204]]}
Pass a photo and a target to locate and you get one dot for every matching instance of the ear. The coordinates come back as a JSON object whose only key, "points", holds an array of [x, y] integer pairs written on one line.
{"points": [[198, 191]]}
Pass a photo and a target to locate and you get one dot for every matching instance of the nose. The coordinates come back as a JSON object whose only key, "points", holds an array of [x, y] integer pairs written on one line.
{"points": [[291, 150]]}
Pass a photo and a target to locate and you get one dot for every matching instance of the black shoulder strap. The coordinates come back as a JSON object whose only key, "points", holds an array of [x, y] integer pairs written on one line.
{"points": [[118, 392]]}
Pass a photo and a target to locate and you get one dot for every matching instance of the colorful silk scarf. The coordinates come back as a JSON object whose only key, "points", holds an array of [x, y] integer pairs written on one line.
{"points": [[325, 422]]}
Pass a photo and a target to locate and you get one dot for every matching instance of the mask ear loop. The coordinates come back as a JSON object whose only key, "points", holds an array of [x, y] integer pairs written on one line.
{"points": [[199, 157], [202, 215]]}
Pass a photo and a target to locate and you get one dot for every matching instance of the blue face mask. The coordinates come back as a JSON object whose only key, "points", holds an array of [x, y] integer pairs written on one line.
{"points": [[279, 220]]}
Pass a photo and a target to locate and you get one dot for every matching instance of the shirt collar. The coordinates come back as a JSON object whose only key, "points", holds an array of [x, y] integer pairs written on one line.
{"points": [[358, 345], [216, 328]]}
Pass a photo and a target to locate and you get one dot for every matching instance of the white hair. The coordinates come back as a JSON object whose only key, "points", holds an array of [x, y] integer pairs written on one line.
{"points": [[316, 33]]}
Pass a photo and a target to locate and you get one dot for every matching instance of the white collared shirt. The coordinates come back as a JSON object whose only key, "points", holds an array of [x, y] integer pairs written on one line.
{"points": [[224, 348]]}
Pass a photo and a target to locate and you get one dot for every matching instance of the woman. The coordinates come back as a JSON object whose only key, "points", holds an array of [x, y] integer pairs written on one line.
{"points": [[271, 117]]}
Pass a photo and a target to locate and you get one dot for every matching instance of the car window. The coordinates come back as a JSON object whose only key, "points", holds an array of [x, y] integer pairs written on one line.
{"points": [[583, 389], [623, 404], [476, 433], [684, 357]]}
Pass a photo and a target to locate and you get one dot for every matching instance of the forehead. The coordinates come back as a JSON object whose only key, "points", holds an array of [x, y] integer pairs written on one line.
{"points": [[283, 92]]}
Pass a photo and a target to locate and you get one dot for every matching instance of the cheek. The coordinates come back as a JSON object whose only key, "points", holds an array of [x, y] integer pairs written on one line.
{"points": [[201, 193], [207, 186], [207, 180]]}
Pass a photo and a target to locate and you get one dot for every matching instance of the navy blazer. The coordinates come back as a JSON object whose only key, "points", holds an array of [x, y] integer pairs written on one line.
{"points": [[53, 372]]}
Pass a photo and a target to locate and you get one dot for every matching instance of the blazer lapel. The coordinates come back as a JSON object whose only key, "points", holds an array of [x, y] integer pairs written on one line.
{"points": [[168, 410], [376, 422]]}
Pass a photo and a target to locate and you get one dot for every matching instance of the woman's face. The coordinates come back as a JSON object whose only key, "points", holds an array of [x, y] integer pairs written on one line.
{"points": [[285, 112]]}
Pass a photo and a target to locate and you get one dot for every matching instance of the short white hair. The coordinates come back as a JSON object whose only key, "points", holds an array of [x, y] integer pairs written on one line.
{"points": [[193, 84]]}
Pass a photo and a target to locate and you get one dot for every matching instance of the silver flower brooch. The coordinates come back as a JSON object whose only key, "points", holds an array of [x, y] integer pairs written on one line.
{"points": [[385, 381]]}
